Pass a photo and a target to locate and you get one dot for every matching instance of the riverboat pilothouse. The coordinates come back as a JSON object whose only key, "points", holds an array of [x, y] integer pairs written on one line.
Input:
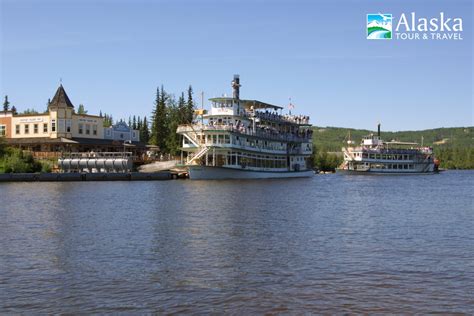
{"points": [[375, 156], [246, 139]]}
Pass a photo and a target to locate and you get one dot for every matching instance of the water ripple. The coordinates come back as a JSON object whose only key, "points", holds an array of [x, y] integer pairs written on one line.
{"points": [[330, 244]]}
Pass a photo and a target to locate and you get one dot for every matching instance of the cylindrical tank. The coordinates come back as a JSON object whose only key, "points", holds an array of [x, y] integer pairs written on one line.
{"points": [[94, 164]]}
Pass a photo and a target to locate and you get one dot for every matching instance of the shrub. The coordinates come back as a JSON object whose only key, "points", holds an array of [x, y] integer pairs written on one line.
{"points": [[15, 161]]}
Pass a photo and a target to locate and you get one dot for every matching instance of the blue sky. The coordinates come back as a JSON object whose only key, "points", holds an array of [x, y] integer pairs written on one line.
{"points": [[111, 56], [377, 17]]}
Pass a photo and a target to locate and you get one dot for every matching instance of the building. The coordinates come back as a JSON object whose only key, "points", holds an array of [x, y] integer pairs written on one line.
{"points": [[61, 129], [5, 124], [59, 122], [121, 131]]}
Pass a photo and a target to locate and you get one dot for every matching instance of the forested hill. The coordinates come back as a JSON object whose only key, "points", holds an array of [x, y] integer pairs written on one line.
{"points": [[454, 146], [333, 138]]}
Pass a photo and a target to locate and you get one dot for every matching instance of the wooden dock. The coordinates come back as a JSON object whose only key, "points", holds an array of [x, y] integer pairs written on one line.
{"points": [[65, 177]]}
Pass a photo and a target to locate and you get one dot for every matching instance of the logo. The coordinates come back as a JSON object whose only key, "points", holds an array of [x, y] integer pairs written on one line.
{"points": [[379, 26]]}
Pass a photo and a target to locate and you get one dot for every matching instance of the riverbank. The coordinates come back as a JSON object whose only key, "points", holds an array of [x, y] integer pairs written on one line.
{"points": [[65, 177]]}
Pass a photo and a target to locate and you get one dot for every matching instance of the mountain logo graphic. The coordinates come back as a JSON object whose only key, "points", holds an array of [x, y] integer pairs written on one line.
{"points": [[379, 26]]}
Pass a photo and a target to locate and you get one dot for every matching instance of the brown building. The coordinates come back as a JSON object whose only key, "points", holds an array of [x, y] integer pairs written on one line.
{"points": [[61, 129], [5, 123]]}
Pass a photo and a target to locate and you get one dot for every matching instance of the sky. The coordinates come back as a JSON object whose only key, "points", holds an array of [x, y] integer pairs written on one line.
{"points": [[377, 17], [112, 55]]}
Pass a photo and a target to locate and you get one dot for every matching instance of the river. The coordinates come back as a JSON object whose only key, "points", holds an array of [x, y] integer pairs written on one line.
{"points": [[327, 244]]}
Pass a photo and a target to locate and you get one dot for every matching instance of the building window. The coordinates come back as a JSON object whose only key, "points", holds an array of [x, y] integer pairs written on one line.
{"points": [[45, 127], [35, 128], [134, 134], [88, 129], [2, 130], [94, 129], [53, 125], [68, 126], [17, 129], [27, 128], [80, 128], [121, 135]]}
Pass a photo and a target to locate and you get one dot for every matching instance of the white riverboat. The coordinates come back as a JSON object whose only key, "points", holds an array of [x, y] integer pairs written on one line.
{"points": [[375, 156], [246, 139]]}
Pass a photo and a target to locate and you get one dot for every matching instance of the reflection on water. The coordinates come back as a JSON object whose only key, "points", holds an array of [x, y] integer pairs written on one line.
{"points": [[329, 244]]}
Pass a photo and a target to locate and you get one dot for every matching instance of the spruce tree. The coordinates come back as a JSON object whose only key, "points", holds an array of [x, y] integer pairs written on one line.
{"points": [[14, 110], [81, 109], [154, 114], [144, 132], [6, 104], [47, 106], [190, 106], [134, 122], [173, 120], [139, 123], [182, 110], [160, 126]]}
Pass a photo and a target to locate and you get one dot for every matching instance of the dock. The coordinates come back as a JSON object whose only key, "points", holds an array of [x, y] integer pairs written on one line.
{"points": [[69, 177]]}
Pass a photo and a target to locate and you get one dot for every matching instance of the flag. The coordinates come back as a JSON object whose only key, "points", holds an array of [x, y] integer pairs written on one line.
{"points": [[291, 106]]}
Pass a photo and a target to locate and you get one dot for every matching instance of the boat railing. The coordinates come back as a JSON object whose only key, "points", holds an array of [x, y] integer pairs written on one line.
{"points": [[93, 154], [295, 119], [389, 151], [245, 131]]}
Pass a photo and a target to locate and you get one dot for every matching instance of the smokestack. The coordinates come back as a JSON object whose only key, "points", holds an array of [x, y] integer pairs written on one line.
{"points": [[378, 130], [236, 87]]}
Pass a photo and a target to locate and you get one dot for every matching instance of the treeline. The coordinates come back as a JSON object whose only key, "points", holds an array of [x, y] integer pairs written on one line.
{"points": [[455, 157], [167, 114], [324, 160]]}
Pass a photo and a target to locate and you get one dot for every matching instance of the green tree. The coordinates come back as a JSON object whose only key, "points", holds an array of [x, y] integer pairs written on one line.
{"points": [[325, 161], [182, 110], [3, 146], [189, 107], [134, 122], [159, 129], [47, 106], [16, 161], [6, 104], [108, 121], [139, 123], [29, 111], [173, 118], [144, 131], [14, 111], [81, 109]]}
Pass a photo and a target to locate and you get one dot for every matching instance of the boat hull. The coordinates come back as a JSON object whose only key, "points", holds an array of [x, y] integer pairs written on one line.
{"points": [[221, 173], [383, 173]]}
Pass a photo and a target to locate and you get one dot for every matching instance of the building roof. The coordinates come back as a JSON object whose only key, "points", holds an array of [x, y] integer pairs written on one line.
{"points": [[73, 141], [248, 103], [112, 142], [32, 114], [39, 140], [61, 99]]}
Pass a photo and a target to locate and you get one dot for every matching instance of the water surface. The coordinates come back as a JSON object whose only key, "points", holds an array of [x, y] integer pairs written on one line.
{"points": [[331, 243]]}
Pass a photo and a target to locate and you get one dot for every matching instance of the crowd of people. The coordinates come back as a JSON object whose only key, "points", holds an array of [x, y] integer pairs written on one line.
{"points": [[273, 116]]}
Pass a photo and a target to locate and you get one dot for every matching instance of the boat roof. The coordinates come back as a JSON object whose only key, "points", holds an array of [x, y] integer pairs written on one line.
{"points": [[393, 142], [248, 103]]}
